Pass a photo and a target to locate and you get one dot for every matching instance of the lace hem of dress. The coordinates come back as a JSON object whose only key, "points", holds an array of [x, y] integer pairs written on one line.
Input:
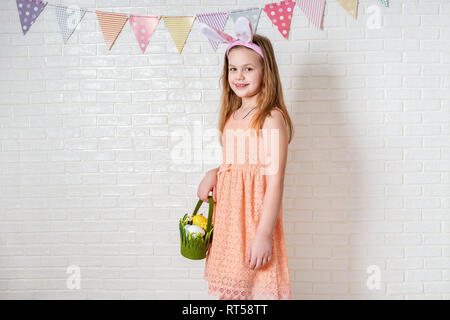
{"points": [[256, 293]]}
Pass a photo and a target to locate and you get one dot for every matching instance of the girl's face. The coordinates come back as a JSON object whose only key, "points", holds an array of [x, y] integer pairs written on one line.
{"points": [[244, 67]]}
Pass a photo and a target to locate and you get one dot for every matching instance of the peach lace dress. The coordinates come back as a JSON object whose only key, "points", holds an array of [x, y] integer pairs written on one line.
{"points": [[240, 194]]}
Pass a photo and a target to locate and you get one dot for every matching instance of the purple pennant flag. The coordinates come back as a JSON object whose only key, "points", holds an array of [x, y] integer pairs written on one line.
{"points": [[216, 20], [29, 10]]}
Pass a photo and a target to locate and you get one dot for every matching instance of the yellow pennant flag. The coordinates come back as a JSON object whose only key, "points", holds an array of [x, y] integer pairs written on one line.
{"points": [[351, 6], [179, 28], [111, 25]]}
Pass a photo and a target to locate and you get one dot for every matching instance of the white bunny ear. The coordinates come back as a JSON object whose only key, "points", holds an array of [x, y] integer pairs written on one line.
{"points": [[243, 29], [213, 34]]}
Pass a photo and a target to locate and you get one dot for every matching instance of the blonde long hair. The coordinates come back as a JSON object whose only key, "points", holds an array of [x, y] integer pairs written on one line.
{"points": [[270, 96]]}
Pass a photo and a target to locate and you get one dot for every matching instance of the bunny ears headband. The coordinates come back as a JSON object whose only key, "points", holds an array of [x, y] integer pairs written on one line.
{"points": [[244, 33]]}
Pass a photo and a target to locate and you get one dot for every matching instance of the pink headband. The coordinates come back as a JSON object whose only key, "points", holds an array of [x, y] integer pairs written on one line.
{"points": [[244, 33]]}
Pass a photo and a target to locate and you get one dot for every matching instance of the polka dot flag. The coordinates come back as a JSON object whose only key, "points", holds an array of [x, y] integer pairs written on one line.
{"points": [[28, 12], [281, 15], [143, 28], [68, 20]]}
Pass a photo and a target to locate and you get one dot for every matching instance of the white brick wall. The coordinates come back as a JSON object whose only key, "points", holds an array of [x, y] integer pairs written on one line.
{"points": [[96, 164]]}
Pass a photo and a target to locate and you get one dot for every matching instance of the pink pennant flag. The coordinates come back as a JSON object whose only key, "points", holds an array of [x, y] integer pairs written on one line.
{"points": [[216, 20], [281, 15], [313, 10], [143, 28], [111, 25]]}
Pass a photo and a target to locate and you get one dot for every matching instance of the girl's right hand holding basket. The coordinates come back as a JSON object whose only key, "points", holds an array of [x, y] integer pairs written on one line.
{"points": [[207, 184]]}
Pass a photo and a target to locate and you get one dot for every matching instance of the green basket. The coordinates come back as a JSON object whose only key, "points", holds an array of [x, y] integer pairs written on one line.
{"points": [[195, 248]]}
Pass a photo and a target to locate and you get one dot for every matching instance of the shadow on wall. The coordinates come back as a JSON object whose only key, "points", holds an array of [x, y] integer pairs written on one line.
{"points": [[328, 209]]}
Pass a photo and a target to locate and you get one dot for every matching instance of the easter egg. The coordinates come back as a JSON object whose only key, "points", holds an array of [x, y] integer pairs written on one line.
{"points": [[194, 229], [200, 221]]}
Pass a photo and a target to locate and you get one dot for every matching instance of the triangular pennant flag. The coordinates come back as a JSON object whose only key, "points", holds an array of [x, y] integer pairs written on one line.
{"points": [[143, 28], [351, 6], [111, 24], [385, 2], [28, 12], [179, 28], [215, 20], [281, 15], [68, 19], [252, 14], [313, 10]]}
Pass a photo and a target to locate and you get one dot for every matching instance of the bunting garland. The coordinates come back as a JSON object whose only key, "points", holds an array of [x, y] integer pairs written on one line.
{"points": [[179, 27], [281, 15], [313, 10], [143, 28], [215, 20], [111, 25], [28, 12], [252, 14], [68, 20], [351, 6]]}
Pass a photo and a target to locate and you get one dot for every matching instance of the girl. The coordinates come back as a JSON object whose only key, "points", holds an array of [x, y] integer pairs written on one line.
{"points": [[247, 258]]}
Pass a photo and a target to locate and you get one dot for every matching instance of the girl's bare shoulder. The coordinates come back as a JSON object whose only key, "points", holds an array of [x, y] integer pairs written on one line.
{"points": [[276, 119]]}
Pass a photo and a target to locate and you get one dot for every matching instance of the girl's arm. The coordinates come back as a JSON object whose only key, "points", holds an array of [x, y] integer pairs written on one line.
{"points": [[260, 250], [275, 175]]}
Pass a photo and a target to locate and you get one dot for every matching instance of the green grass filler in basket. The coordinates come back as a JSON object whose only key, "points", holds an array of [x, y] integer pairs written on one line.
{"points": [[196, 232]]}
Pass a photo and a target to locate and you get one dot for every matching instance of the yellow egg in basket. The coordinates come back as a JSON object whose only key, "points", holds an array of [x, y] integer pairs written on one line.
{"points": [[200, 221]]}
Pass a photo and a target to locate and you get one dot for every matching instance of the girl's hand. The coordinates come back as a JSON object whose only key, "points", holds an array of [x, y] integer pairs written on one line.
{"points": [[260, 251], [207, 184]]}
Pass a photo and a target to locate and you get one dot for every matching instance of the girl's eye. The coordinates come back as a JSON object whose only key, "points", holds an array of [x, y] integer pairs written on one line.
{"points": [[245, 68]]}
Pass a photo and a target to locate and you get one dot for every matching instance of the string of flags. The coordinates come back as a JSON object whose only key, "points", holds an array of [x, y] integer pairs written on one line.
{"points": [[179, 27]]}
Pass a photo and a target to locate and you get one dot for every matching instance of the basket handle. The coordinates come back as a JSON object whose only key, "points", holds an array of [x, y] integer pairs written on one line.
{"points": [[210, 213]]}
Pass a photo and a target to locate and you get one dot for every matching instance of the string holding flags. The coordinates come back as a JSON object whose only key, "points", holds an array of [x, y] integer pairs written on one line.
{"points": [[111, 23]]}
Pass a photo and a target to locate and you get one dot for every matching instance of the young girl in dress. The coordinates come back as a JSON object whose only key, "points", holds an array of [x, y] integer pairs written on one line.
{"points": [[247, 258]]}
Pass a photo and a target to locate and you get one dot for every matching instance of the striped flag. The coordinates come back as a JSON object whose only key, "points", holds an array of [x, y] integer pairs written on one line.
{"points": [[215, 20], [111, 25], [179, 28], [313, 10]]}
